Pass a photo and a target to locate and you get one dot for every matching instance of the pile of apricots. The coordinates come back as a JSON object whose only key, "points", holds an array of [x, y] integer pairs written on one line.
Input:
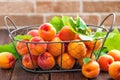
{"points": [[52, 46], [48, 48]]}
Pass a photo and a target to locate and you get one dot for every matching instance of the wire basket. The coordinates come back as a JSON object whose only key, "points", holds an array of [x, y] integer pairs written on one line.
{"points": [[56, 68]]}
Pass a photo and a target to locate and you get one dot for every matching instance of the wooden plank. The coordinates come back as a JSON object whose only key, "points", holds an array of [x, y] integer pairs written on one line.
{"points": [[20, 74], [4, 37], [68, 76], [4, 74], [102, 76]]}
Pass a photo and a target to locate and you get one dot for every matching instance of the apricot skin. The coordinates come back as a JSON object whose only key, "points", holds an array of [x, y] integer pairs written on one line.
{"points": [[91, 69], [46, 61], [39, 48], [47, 31], [67, 61], [105, 61], [77, 49], [7, 60], [66, 34], [115, 54], [56, 48], [27, 61], [114, 70]]}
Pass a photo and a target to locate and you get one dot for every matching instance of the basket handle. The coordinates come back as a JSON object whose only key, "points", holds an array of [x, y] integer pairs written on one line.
{"points": [[6, 20], [110, 29], [112, 22]]}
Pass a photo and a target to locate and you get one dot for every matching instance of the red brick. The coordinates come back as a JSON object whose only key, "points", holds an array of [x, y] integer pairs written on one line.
{"points": [[16, 7], [24, 20], [56, 7], [15, 0], [89, 19], [45, 0], [103, 6]]}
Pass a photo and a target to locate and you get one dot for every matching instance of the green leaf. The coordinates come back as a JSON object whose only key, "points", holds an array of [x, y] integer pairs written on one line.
{"points": [[65, 20], [72, 25], [103, 52], [8, 48], [84, 37], [86, 60], [80, 24], [116, 31], [113, 40], [57, 23], [99, 34], [21, 37]]}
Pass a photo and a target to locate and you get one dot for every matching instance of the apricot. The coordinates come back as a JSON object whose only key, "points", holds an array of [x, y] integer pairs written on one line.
{"points": [[65, 61], [47, 31], [91, 69], [29, 61], [46, 61], [77, 49], [66, 34], [105, 61], [33, 33], [38, 48], [22, 47], [114, 70], [77, 37], [80, 60], [56, 48], [90, 44], [115, 54], [7, 60]]}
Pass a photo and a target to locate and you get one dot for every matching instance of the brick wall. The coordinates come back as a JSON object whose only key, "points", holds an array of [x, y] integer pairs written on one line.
{"points": [[28, 12]]}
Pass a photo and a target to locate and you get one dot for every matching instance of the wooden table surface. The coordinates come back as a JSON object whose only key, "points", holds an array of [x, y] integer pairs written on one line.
{"points": [[17, 73]]}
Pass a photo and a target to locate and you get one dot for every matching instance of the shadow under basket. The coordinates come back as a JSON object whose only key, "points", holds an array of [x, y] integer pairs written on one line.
{"points": [[23, 30]]}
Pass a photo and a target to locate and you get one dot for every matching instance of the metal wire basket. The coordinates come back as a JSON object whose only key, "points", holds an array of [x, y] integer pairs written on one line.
{"points": [[56, 68]]}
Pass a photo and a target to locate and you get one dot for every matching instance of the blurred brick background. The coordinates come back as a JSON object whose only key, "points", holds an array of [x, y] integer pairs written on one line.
{"points": [[29, 12]]}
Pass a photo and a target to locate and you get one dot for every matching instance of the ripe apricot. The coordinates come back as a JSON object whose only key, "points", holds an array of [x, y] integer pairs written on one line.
{"points": [[80, 60], [114, 70], [46, 61], [27, 61], [77, 49], [66, 61], [22, 47], [38, 48], [66, 34], [91, 69], [33, 33], [115, 54], [47, 31], [90, 44], [56, 48], [105, 61], [7, 60]]}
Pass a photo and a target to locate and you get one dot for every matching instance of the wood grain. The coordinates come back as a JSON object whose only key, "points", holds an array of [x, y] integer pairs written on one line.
{"points": [[4, 37], [4, 74], [20, 74], [17, 73], [102, 76], [68, 76]]}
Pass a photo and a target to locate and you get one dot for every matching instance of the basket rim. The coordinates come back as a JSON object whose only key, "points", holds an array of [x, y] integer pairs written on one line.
{"points": [[48, 42]]}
